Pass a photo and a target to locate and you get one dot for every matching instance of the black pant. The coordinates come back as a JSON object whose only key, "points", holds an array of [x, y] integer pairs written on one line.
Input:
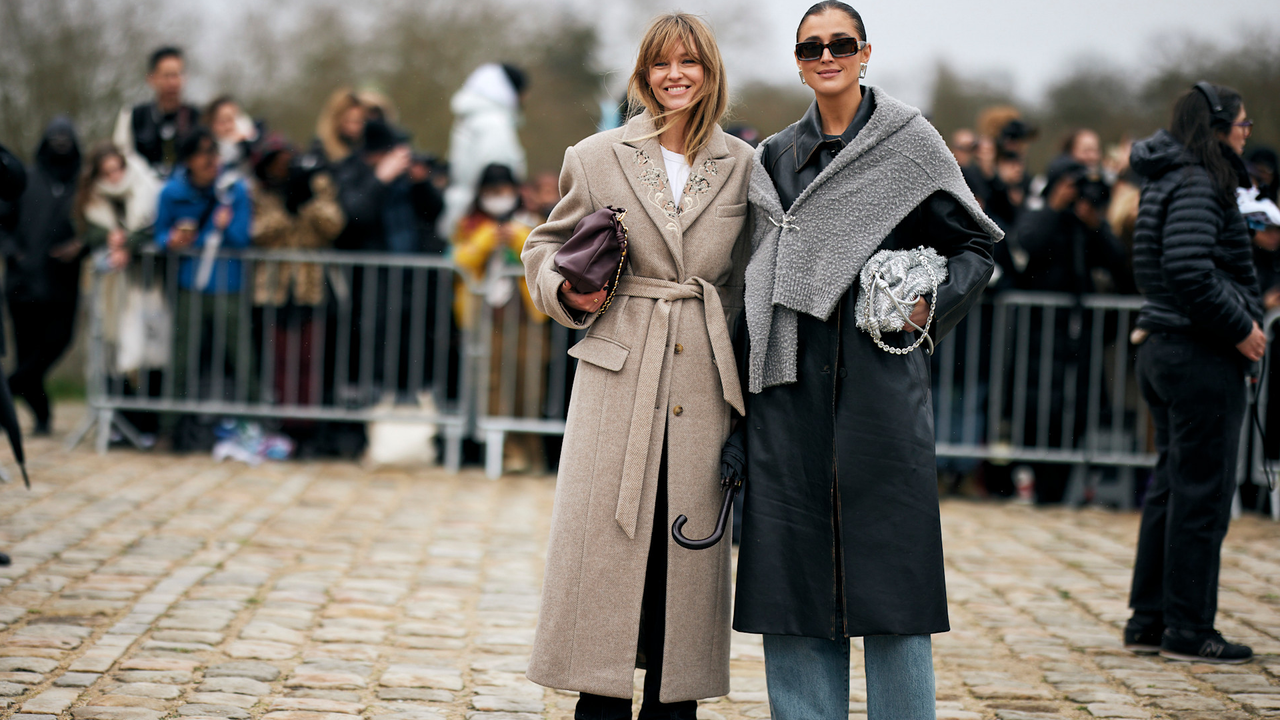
{"points": [[1196, 393], [42, 331], [652, 631]]}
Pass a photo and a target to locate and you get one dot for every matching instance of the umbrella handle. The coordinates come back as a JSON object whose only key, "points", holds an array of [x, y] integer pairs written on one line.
{"points": [[715, 536]]}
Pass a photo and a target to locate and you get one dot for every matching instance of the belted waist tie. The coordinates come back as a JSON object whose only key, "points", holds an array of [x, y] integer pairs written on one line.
{"points": [[655, 349]]}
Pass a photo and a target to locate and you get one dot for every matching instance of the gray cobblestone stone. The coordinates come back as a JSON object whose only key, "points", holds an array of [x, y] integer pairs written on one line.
{"points": [[327, 592]]}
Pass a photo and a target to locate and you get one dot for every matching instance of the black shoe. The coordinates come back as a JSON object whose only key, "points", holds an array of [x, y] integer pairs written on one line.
{"points": [[4, 560], [1143, 638], [1206, 646]]}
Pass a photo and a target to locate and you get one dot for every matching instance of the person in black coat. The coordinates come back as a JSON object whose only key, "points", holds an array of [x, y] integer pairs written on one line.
{"points": [[13, 182], [43, 259], [841, 533], [153, 130], [388, 200], [1193, 263]]}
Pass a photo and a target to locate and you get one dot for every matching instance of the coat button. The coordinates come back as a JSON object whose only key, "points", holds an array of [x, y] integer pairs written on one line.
{"points": [[679, 348], [677, 411], [844, 372]]}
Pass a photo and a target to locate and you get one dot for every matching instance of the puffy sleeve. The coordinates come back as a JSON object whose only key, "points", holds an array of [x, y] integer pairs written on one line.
{"points": [[540, 249]]}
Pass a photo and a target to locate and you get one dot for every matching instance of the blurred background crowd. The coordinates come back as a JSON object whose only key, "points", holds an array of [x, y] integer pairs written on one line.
{"points": [[410, 137]]}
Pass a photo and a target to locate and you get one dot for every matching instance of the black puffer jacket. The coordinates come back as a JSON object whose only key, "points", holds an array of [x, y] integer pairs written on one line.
{"points": [[1192, 257]]}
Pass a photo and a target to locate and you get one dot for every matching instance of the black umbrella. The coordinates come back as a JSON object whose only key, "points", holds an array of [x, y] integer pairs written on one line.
{"points": [[730, 492], [733, 471]]}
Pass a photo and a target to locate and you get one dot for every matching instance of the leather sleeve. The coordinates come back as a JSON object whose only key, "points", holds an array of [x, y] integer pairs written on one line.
{"points": [[942, 223]]}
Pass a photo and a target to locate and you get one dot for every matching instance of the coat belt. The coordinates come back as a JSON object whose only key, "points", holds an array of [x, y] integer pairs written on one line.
{"points": [[655, 349]]}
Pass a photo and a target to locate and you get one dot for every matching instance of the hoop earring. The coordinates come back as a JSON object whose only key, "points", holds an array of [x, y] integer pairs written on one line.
{"points": [[862, 72], [802, 80]]}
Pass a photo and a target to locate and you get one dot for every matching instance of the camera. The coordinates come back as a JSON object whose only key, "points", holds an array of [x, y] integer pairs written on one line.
{"points": [[1093, 190]]}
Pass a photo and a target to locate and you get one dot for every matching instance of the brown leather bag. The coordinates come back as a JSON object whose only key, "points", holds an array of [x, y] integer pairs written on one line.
{"points": [[594, 256]]}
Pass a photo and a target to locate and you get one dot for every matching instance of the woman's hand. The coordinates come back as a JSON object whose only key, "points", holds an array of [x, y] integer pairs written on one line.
{"points": [[919, 315], [1254, 346], [588, 302]]}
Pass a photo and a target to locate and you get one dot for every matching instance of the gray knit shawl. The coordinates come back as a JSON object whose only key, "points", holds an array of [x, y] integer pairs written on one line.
{"points": [[805, 259]]}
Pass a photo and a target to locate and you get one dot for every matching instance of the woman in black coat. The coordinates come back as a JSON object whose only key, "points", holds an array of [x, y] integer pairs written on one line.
{"points": [[43, 261], [1193, 263], [841, 534]]}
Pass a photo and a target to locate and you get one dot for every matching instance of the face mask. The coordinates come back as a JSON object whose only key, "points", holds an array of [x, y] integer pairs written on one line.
{"points": [[498, 206]]}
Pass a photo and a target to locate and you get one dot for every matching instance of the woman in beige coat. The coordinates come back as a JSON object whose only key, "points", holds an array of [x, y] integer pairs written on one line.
{"points": [[654, 393]]}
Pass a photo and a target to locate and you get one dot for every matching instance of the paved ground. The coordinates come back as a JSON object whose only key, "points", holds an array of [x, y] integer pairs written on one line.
{"points": [[148, 587]]}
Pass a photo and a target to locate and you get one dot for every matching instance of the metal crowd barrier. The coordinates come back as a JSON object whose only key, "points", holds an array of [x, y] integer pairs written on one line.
{"points": [[524, 357], [1047, 378], [1028, 377], [1255, 466], [373, 341]]}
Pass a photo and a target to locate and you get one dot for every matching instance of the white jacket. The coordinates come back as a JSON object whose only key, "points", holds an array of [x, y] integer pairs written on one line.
{"points": [[486, 114]]}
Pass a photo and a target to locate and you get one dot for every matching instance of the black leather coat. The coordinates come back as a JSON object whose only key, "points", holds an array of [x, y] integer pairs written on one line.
{"points": [[841, 532]]}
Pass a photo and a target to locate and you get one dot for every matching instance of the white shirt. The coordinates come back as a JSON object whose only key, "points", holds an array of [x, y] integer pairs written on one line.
{"points": [[677, 173]]}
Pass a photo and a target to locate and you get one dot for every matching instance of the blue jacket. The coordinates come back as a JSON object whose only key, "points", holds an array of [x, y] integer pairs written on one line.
{"points": [[180, 200]]}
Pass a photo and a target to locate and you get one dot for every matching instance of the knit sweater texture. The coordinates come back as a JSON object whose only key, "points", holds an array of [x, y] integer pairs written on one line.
{"points": [[805, 259]]}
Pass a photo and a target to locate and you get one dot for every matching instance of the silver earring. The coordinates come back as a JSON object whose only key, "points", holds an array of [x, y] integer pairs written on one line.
{"points": [[863, 72], [802, 80]]}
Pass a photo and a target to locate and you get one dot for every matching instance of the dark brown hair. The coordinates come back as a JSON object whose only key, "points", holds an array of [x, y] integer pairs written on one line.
{"points": [[1193, 127], [91, 173], [826, 5]]}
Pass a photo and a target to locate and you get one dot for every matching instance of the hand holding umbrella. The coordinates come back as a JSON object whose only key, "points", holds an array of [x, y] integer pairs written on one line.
{"points": [[733, 472]]}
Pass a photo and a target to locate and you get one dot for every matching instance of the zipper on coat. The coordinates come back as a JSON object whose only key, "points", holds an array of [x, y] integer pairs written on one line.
{"points": [[838, 544]]}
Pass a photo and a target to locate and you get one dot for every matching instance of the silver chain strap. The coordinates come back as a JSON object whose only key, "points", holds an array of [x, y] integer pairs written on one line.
{"points": [[906, 316]]}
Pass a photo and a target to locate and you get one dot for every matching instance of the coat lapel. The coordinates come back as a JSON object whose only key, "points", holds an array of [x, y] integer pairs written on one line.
{"points": [[641, 161], [712, 166]]}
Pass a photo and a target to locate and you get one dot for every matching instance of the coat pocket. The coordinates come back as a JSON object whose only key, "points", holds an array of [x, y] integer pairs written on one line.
{"points": [[601, 352], [731, 211]]}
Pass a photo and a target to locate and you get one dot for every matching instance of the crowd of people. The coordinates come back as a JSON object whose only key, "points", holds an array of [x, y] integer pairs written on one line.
{"points": [[179, 179], [724, 362], [1070, 229]]}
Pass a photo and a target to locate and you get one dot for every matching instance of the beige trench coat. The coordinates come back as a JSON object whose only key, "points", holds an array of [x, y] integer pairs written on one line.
{"points": [[659, 361]]}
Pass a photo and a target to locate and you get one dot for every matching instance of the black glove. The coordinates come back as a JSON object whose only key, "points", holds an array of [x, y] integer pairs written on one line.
{"points": [[733, 458]]}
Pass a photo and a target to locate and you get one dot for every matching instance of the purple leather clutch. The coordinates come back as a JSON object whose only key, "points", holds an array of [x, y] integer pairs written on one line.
{"points": [[596, 253]]}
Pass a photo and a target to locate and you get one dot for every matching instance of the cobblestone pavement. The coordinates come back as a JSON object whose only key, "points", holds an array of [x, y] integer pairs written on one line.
{"points": [[153, 586]]}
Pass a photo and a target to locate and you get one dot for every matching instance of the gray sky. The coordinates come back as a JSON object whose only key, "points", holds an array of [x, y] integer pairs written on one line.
{"points": [[1024, 43]]}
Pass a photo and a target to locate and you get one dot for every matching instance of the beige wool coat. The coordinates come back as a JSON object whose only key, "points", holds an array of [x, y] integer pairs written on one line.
{"points": [[657, 363]]}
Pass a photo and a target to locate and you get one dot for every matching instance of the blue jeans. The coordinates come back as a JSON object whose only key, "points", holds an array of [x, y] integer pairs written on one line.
{"points": [[809, 677]]}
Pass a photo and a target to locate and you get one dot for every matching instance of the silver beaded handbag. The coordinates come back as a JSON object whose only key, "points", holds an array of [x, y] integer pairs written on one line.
{"points": [[889, 285]]}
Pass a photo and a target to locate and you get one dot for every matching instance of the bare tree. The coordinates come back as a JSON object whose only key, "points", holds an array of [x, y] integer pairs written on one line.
{"points": [[70, 57]]}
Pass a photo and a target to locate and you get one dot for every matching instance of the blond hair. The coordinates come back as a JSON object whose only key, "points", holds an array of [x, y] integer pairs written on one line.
{"points": [[342, 100], [704, 112]]}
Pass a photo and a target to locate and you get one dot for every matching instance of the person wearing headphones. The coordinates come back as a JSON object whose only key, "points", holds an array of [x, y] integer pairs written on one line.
{"points": [[1193, 263]]}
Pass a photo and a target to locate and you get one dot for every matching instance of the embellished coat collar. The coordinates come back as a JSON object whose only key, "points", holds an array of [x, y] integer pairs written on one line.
{"points": [[640, 156]]}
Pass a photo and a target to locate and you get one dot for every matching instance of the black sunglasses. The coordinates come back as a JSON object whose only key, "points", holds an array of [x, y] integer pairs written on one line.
{"points": [[840, 48]]}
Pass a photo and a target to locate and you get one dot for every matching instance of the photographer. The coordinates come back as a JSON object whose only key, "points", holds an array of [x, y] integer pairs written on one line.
{"points": [[1063, 246], [1010, 185], [1066, 247], [385, 193], [390, 203]]}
